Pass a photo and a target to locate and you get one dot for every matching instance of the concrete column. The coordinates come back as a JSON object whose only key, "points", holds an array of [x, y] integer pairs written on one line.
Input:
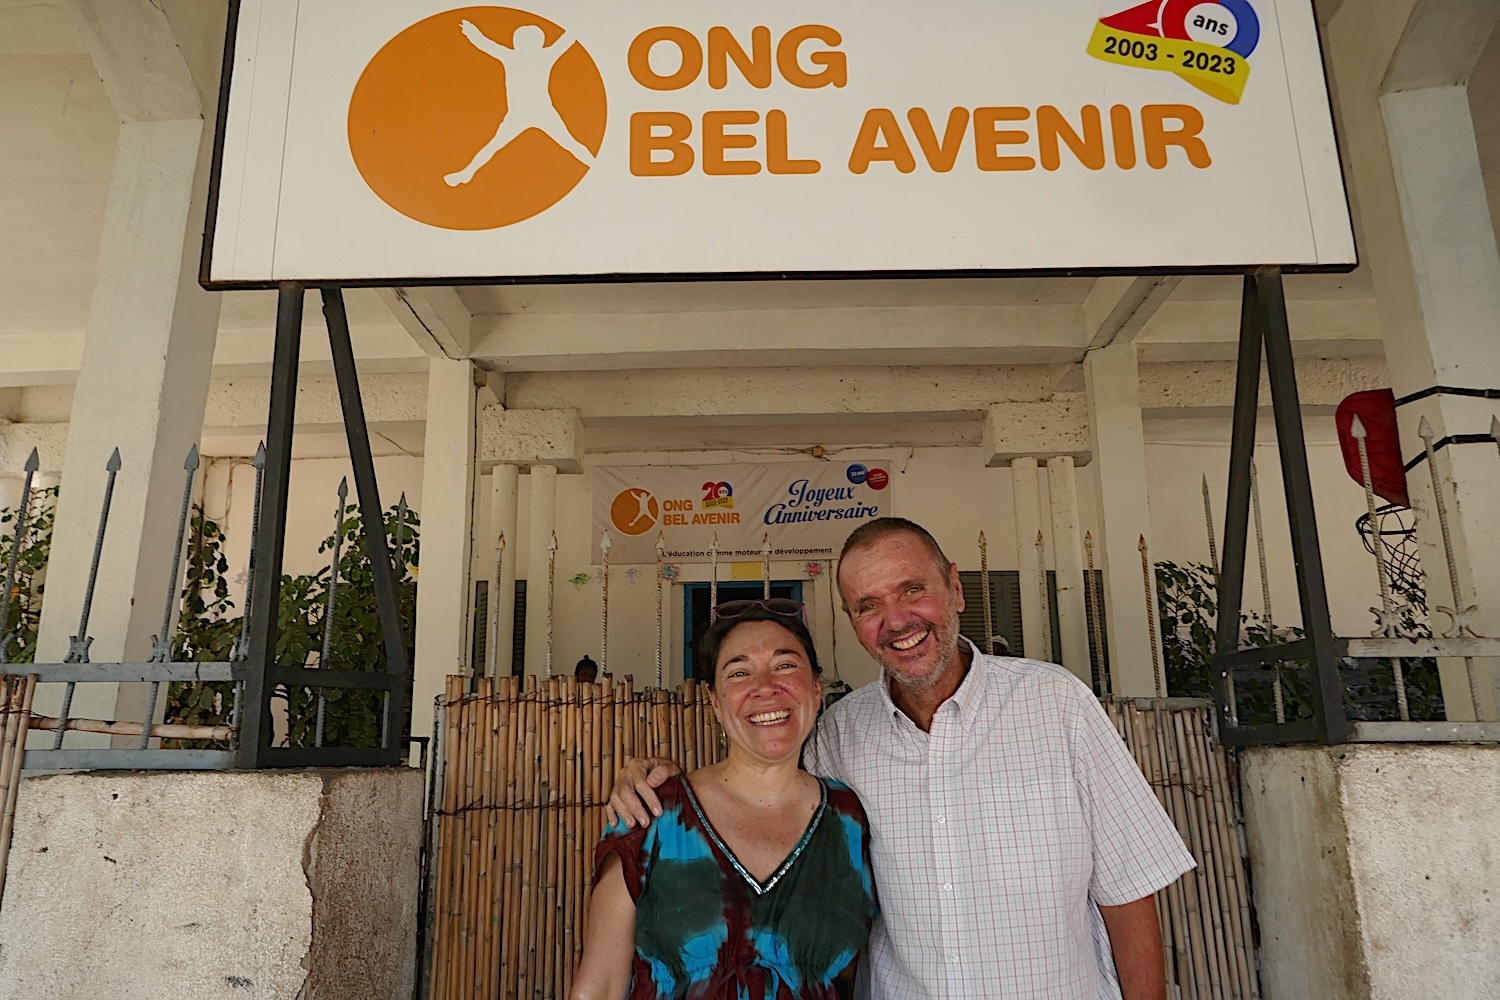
{"points": [[1066, 542], [444, 589], [1428, 240], [504, 503], [1374, 870], [142, 388], [1027, 497], [543, 524], [306, 885], [1119, 444]]}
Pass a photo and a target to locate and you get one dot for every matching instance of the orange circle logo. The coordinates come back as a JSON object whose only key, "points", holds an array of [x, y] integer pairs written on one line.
{"points": [[634, 511], [477, 118]]}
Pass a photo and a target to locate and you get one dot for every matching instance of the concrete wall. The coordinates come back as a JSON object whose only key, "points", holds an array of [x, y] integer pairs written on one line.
{"points": [[1376, 877], [290, 885]]}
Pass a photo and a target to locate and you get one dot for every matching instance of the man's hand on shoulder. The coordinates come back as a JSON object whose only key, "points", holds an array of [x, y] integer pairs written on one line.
{"points": [[633, 799]]}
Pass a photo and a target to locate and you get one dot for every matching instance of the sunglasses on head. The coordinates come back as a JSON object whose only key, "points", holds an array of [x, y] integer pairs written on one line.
{"points": [[783, 606]]}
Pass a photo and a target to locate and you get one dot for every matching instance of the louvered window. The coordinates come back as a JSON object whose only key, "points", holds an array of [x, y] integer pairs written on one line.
{"points": [[1005, 608]]}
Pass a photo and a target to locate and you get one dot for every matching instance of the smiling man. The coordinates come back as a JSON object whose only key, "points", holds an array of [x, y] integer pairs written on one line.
{"points": [[1016, 846]]}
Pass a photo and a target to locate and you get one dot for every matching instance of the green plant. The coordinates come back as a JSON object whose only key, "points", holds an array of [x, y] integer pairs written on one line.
{"points": [[1188, 609], [208, 632], [351, 718], [1187, 603], [23, 616]]}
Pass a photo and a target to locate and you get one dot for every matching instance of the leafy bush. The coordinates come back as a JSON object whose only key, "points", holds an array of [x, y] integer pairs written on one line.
{"points": [[209, 628], [23, 616], [1187, 604]]}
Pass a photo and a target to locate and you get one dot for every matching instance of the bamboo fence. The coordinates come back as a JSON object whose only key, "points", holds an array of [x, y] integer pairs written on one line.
{"points": [[1205, 915], [526, 773], [16, 692], [520, 805]]}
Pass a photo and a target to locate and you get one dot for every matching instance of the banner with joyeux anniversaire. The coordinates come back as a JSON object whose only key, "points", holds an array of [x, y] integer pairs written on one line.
{"points": [[805, 510]]}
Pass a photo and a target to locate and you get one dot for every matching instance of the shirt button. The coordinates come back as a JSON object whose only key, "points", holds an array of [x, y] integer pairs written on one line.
{"points": [[947, 886], [953, 956], [941, 820]]}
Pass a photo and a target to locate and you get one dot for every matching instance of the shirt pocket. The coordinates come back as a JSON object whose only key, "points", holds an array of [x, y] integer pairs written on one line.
{"points": [[1037, 835]]}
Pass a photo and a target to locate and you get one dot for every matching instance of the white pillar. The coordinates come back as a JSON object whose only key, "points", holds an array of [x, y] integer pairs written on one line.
{"points": [[539, 536], [504, 504], [1027, 497], [1067, 559], [1119, 445], [141, 387], [1430, 243], [444, 593]]}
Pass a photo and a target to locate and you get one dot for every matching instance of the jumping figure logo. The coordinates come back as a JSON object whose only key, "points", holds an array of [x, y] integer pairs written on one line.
{"points": [[1207, 43], [477, 118], [634, 511]]}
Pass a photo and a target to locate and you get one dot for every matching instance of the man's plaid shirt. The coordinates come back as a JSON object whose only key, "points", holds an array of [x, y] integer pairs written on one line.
{"points": [[998, 835]]}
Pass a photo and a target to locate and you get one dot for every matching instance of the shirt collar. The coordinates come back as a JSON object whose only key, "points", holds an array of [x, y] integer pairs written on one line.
{"points": [[968, 698]]}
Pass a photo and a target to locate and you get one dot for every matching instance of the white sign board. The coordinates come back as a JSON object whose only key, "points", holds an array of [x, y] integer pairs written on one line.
{"points": [[805, 511], [380, 140]]}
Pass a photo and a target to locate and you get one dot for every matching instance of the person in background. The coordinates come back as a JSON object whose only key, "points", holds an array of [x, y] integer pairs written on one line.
{"points": [[753, 878], [586, 671], [1016, 844]]}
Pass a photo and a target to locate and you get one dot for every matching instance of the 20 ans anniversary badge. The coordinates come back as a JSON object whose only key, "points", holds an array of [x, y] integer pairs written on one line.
{"points": [[1206, 43]]}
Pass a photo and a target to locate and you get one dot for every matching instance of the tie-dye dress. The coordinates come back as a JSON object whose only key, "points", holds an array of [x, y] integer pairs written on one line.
{"points": [[706, 929]]}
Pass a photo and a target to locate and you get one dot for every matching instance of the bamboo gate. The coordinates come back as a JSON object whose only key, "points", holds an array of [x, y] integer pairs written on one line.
{"points": [[523, 773]]}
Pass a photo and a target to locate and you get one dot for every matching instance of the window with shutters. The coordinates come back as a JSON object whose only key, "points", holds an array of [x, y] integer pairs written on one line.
{"points": [[480, 648], [1005, 611]]}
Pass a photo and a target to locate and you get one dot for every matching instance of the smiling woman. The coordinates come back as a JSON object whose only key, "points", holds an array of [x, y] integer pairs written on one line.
{"points": [[745, 885]]}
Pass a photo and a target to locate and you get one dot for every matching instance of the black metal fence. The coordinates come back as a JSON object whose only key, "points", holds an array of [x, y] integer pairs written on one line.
{"points": [[251, 673]]}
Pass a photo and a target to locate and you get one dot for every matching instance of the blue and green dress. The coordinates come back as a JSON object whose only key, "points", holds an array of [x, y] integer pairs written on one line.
{"points": [[706, 929]]}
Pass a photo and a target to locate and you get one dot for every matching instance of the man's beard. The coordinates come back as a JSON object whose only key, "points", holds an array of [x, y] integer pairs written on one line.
{"points": [[945, 636]]}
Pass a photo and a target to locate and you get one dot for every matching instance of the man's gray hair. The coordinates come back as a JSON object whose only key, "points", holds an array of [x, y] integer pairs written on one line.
{"points": [[883, 527]]}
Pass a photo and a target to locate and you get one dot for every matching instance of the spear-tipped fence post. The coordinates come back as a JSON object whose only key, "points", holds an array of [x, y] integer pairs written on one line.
{"points": [[604, 546], [161, 643], [242, 645], [551, 595], [661, 574], [400, 563], [1208, 517], [1386, 615], [492, 667], [1265, 589], [1461, 612], [33, 463], [1046, 605], [765, 566], [78, 645], [241, 648], [984, 594], [1146, 574], [1096, 626], [326, 654], [713, 573]]}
